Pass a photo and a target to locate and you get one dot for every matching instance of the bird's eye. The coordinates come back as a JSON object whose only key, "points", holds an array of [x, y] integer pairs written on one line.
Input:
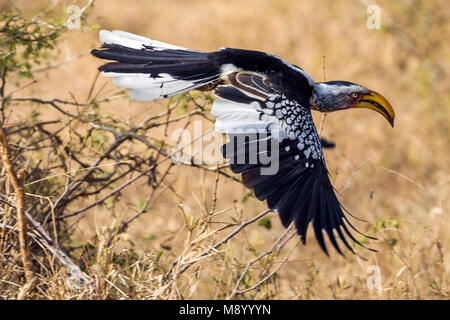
{"points": [[355, 95]]}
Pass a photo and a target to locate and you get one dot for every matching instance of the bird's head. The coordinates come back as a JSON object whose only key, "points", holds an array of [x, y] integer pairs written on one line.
{"points": [[338, 95]]}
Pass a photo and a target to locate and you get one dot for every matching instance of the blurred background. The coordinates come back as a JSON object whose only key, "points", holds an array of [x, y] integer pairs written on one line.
{"points": [[397, 179]]}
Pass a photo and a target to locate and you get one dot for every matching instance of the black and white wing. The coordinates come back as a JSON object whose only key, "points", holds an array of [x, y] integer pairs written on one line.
{"points": [[262, 100], [300, 190], [152, 69]]}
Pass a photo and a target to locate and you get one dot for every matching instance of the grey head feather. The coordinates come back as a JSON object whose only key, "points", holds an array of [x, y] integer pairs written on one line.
{"points": [[334, 95]]}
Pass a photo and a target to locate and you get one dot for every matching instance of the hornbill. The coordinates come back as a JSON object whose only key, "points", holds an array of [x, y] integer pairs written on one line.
{"points": [[257, 92]]}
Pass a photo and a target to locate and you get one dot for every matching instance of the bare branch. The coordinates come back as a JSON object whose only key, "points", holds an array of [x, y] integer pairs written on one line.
{"points": [[18, 181]]}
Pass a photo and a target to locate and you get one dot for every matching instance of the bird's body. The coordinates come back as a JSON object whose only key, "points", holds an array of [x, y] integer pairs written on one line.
{"points": [[262, 102]]}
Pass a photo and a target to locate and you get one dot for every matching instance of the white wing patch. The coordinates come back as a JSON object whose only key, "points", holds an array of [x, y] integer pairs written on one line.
{"points": [[144, 87], [234, 117], [284, 118], [134, 41]]}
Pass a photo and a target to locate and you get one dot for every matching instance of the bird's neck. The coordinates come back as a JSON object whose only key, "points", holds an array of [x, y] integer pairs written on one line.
{"points": [[319, 97]]}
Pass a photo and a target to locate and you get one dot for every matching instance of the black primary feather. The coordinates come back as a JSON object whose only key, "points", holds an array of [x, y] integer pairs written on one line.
{"points": [[299, 194]]}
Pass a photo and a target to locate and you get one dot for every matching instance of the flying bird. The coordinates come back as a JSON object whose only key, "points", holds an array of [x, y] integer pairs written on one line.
{"points": [[256, 92]]}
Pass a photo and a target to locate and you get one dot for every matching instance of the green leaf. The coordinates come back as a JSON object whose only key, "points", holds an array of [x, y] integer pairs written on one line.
{"points": [[182, 108], [95, 27], [247, 196], [391, 242], [265, 222]]}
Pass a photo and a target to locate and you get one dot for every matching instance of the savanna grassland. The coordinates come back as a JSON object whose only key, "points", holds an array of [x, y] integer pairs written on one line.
{"points": [[163, 231]]}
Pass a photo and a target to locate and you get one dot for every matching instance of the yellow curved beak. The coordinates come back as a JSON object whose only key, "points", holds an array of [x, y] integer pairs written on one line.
{"points": [[375, 101]]}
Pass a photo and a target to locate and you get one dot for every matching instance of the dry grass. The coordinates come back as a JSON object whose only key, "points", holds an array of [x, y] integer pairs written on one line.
{"points": [[397, 179]]}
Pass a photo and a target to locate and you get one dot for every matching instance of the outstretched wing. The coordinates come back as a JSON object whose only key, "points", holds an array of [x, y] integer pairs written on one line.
{"points": [[263, 101], [263, 118]]}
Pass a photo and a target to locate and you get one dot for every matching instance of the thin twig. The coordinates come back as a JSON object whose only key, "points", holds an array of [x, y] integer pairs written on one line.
{"points": [[227, 238], [276, 247], [324, 115]]}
